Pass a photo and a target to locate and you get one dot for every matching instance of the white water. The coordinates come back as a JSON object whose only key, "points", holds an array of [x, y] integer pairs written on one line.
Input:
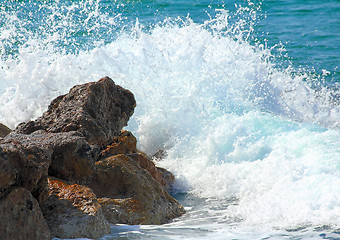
{"points": [[235, 129]]}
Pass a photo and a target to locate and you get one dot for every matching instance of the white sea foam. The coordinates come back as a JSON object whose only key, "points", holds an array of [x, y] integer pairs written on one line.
{"points": [[232, 125]]}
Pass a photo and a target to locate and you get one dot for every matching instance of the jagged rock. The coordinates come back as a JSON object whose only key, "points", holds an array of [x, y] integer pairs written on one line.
{"points": [[122, 211], [72, 157], [99, 110], [124, 143], [121, 177], [159, 155], [149, 166], [4, 130], [72, 211], [31, 160], [8, 174], [167, 177], [74, 140], [21, 217]]}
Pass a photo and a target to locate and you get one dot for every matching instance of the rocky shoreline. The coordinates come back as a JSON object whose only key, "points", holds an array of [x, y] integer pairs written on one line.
{"points": [[74, 171]]}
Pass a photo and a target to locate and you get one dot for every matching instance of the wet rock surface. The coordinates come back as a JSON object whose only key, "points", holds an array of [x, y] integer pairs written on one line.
{"points": [[72, 211], [79, 171], [121, 177]]}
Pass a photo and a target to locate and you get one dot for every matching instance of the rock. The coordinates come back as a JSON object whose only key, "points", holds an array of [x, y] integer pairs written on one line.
{"points": [[72, 211], [4, 130], [98, 110], [121, 177], [8, 174], [149, 166], [72, 157], [159, 155], [124, 143], [31, 160], [64, 155], [80, 143], [121, 211], [21, 217], [167, 177]]}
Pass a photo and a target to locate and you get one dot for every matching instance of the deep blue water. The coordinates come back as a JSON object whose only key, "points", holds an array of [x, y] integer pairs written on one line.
{"points": [[308, 30]]}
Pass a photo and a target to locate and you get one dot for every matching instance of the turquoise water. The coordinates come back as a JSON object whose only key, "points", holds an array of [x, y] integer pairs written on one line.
{"points": [[242, 95]]}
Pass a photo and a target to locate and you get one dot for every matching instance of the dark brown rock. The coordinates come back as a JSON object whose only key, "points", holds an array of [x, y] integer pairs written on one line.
{"points": [[99, 110], [121, 177], [167, 177], [8, 174], [79, 139], [72, 211], [149, 166], [21, 217], [64, 155], [121, 211], [124, 143], [4, 130], [31, 160], [72, 157]]}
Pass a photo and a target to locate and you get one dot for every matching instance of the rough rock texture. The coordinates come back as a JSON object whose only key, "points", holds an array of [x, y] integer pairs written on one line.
{"points": [[120, 177], [72, 157], [124, 143], [99, 110], [72, 211], [96, 174], [123, 211], [8, 174], [21, 217], [149, 166], [167, 178], [31, 160], [4, 130]]}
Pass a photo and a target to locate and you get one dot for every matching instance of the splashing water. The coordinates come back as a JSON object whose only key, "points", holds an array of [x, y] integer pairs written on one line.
{"points": [[253, 143]]}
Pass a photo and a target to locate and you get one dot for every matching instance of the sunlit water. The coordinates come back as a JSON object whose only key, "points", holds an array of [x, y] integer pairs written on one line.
{"points": [[242, 97]]}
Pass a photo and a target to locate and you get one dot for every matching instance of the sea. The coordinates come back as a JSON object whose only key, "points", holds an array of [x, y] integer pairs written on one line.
{"points": [[242, 98]]}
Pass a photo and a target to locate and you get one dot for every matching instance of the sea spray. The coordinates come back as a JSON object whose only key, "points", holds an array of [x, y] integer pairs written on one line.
{"points": [[254, 142]]}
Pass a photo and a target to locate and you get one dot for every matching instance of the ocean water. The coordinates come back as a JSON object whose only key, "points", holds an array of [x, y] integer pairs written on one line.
{"points": [[242, 97]]}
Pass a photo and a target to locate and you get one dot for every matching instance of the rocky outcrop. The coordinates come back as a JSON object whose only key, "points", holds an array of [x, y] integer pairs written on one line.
{"points": [[4, 130], [72, 157], [82, 169], [121, 177], [126, 143], [31, 160], [21, 217], [167, 178], [72, 211], [123, 143], [97, 110], [150, 166], [8, 174]]}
